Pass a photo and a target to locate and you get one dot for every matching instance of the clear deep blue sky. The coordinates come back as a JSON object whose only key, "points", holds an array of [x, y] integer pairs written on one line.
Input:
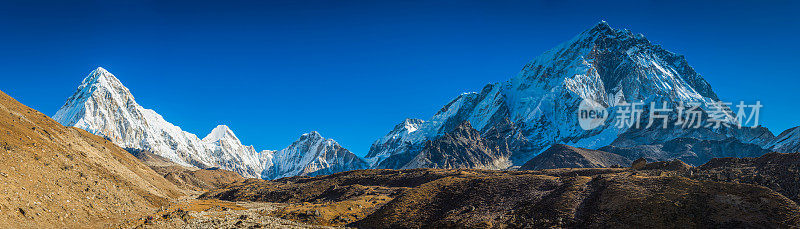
{"points": [[352, 70]]}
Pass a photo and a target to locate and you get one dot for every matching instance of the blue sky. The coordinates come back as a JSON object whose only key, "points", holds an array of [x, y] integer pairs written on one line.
{"points": [[351, 70]]}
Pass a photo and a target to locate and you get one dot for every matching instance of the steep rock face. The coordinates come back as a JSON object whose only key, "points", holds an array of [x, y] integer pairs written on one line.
{"points": [[563, 156], [313, 155], [396, 141], [62, 177], [690, 150], [604, 65], [786, 142], [507, 138], [463, 147]]}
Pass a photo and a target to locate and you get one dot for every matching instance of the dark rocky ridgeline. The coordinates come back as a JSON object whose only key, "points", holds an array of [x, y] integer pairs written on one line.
{"points": [[777, 171], [661, 195], [693, 151], [563, 156]]}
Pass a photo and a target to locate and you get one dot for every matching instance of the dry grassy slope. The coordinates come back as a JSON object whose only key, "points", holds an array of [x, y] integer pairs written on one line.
{"points": [[53, 176], [185, 177], [571, 198]]}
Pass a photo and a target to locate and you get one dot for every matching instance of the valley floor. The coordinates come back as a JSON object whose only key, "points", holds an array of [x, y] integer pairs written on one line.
{"points": [[190, 212]]}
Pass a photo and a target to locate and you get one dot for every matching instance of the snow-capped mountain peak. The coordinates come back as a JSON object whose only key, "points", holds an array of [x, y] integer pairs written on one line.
{"points": [[312, 155], [221, 132], [102, 105], [100, 76], [411, 125], [601, 64], [99, 87], [313, 135]]}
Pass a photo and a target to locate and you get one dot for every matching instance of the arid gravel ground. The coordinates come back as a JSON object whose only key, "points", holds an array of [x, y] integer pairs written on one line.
{"points": [[189, 212]]}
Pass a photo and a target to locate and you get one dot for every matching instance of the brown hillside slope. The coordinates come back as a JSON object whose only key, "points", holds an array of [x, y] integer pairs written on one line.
{"points": [[54, 176]]}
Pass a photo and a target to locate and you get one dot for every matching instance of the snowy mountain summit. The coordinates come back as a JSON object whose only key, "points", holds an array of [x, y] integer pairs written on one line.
{"points": [[313, 155], [221, 132], [538, 107], [102, 105]]}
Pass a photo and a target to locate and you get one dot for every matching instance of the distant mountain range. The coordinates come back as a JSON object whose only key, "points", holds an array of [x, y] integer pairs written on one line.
{"points": [[502, 126], [103, 106]]}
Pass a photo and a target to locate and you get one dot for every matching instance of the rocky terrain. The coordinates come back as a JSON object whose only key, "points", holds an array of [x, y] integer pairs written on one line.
{"points": [[777, 171], [657, 195], [214, 214], [55, 177]]}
